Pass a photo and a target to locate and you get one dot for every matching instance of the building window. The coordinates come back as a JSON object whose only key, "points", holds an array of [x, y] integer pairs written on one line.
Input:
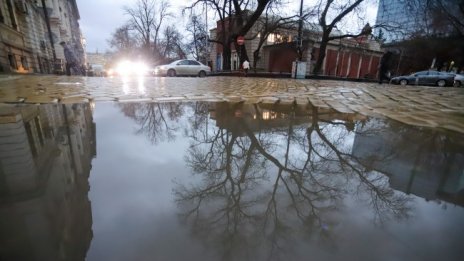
{"points": [[39, 130], [24, 63], [274, 38], [14, 24], [12, 60], [271, 38], [30, 138]]}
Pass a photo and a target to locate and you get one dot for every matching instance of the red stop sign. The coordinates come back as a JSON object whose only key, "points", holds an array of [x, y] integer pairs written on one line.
{"points": [[240, 40]]}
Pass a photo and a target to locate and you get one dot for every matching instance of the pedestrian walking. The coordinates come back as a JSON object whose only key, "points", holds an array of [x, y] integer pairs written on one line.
{"points": [[383, 67], [246, 67], [71, 60]]}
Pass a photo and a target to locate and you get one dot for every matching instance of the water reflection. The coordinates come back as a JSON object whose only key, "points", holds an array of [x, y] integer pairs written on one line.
{"points": [[46, 154], [276, 182], [275, 176], [225, 181], [158, 121], [426, 163]]}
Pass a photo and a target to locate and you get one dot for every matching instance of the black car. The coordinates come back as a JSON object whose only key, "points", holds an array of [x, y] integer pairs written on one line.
{"points": [[426, 78]]}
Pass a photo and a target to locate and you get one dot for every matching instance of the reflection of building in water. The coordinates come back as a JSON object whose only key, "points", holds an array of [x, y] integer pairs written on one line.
{"points": [[265, 116], [45, 161], [421, 162]]}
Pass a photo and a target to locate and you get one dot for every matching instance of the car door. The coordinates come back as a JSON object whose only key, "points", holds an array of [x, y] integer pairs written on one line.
{"points": [[432, 78], [420, 77], [182, 67], [194, 67]]}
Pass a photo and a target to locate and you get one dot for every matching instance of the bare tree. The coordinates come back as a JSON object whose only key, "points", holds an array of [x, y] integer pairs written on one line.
{"points": [[436, 17], [171, 46], [330, 14], [122, 40], [434, 37], [198, 45], [155, 119], [271, 22], [146, 19], [260, 186], [236, 17]]}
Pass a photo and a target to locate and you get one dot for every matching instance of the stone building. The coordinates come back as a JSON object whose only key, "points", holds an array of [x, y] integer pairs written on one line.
{"points": [[45, 161], [30, 33], [348, 58]]}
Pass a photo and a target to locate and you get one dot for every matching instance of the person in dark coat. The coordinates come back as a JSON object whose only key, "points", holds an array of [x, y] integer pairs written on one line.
{"points": [[383, 67], [71, 60]]}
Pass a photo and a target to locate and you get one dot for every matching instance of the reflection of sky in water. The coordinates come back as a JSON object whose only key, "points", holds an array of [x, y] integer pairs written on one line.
{"points": [[135, 217]]}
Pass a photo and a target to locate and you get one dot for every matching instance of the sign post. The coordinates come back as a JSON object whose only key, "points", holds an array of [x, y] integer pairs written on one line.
{"points": [[240, 40]]}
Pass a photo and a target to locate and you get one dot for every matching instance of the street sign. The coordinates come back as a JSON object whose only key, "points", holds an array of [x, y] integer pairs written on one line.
{"points": [[240, 40]]}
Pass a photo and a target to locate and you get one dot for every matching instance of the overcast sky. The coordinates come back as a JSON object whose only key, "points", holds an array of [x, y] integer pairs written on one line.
{"points": [[99, 18]]}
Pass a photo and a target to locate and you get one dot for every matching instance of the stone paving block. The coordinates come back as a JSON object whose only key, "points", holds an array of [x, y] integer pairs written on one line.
{"points": [[434, 105], [318, 103], [40, 99], [269, 100], [74, 100], [340, 107]]}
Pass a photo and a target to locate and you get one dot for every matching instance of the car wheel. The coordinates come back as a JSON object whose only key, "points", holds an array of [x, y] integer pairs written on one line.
{"points": [[404, 82], [202, 74], [171, 73], [441, 83], [457, 84]]}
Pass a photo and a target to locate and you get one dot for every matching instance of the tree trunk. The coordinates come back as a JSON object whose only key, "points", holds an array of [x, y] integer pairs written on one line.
{"points": [[255, 58], [321, 56], [226, 55], [242, 54]]}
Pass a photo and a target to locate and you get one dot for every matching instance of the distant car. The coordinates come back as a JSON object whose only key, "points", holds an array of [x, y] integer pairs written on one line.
{"points": [[458, 80], [426, 78], [183, 67], [96, 70]]}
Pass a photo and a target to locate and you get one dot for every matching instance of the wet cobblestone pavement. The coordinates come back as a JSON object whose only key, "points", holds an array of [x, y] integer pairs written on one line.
{"points": [[414, 105]]}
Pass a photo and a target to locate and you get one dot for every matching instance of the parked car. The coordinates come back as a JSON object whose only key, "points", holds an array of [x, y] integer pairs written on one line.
{"points": [[426, 78], [183, 67], [459, 80]]}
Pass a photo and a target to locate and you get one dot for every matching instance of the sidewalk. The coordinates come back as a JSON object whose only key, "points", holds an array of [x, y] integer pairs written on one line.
{"points": [[414, 105]]}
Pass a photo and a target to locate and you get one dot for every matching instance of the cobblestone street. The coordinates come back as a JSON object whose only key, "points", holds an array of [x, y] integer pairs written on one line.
{"points": [[414, 105]]}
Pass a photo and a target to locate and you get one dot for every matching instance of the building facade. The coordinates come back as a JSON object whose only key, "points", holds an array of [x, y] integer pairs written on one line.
{"points": [[30, 33], [347, 58], [45, 161], [399, 20], [399, 16]]}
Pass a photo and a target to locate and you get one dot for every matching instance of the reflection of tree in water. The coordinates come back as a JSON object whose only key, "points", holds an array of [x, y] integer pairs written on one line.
{"points": [[426, 162], [159, 121], [266, 184]]}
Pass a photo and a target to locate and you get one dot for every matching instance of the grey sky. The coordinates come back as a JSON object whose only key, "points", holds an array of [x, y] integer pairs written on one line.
{"points": [[99, 18]]}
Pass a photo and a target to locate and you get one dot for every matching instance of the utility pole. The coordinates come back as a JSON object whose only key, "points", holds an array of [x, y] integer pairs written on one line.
{"points": [[300, 33], [207, 34], [299, 45]]}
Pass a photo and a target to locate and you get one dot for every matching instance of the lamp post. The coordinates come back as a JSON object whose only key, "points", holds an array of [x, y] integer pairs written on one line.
{"points": [[299, 48]]}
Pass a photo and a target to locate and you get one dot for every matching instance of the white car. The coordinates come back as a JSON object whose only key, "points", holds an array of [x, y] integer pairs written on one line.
{"points": [[458, 80], [183, 67]]}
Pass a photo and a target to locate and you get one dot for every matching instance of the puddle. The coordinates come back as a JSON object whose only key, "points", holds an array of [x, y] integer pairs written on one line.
{"points": [[225, 181]]}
